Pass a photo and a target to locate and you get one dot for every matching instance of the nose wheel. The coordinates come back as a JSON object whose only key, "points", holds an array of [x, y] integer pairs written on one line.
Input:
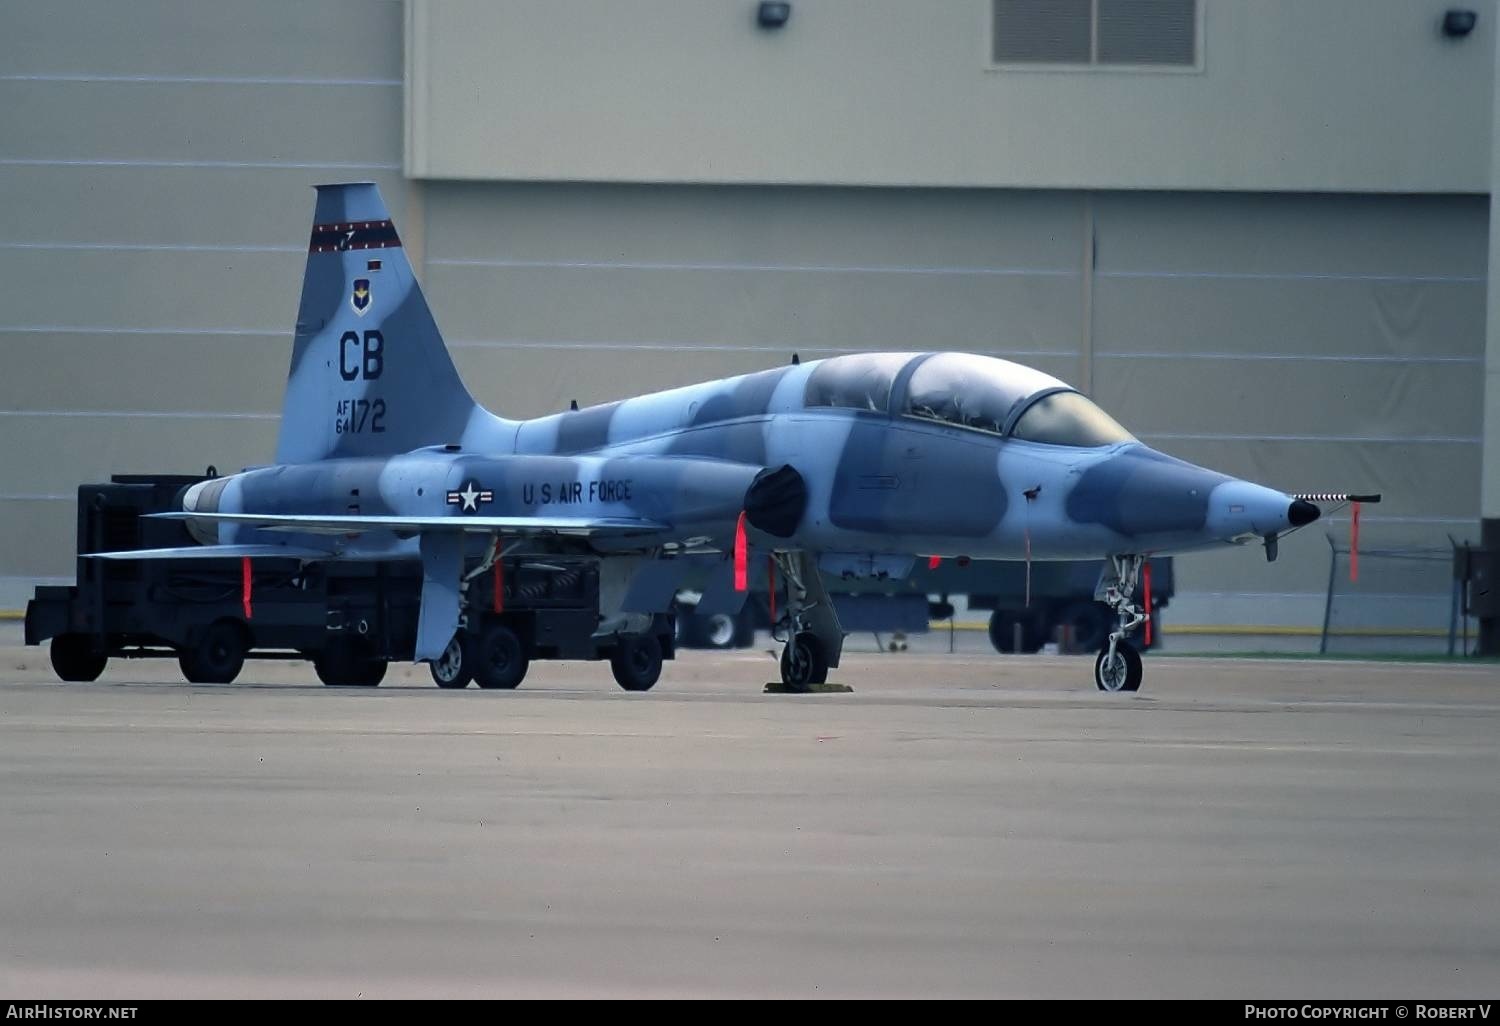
{"points": [[1120, 671], [1118, 667]]}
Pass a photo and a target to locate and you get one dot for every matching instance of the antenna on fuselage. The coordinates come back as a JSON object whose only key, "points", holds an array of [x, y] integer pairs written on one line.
{"points": [[796, 359], [572, 404]]}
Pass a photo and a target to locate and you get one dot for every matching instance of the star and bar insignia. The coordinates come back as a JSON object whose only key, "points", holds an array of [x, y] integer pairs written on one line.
{"points": [[470, 497]]}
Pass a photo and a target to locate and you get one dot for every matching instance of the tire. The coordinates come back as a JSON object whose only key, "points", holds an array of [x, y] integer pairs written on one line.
{"points": [[1088, 625], [217, 656], [500, 659], [331, 668], [1125, 673], [1002, 632], [74, 659], [719, 630], [345, 664], [369, 673], [454, 669], [803, 663], [637, 662]]}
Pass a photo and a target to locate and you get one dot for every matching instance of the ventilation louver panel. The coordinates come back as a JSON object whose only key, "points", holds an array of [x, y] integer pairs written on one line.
{"points": [[1043, 31], [1147, 31]]}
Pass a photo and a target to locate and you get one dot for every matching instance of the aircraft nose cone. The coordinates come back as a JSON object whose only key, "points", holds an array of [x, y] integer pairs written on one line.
{"points": [[1302, 512]]}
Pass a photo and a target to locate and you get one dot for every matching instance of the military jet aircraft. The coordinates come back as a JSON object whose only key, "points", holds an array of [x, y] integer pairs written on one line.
{"points": [[847, 466]]}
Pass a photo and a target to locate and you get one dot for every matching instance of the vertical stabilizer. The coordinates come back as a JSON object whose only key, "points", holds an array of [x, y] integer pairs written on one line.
{"points": [[370, 375]]}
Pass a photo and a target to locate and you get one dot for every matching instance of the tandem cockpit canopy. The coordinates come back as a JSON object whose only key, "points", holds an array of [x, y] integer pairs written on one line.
{"points": [[980, 393], [861, 382]]}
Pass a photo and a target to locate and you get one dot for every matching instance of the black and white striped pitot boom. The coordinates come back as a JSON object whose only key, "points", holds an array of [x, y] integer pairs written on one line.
{"points": [[1335, 497]]}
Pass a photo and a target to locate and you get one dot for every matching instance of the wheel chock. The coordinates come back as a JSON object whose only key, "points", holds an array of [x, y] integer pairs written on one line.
{"points": [[778, 688]]}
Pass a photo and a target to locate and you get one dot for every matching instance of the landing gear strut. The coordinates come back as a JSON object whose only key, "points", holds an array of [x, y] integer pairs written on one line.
{"points": [[814, 640], [1118, 667]]}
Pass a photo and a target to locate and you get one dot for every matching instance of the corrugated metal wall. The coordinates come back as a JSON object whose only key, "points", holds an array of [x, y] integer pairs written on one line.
{"points": [[1312, 342], [154, 160], [600, 290], [1316, 343]]}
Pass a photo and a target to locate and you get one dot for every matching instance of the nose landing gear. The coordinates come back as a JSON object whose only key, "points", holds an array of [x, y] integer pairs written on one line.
{"points": [[1118, 667], [1119, 670]]}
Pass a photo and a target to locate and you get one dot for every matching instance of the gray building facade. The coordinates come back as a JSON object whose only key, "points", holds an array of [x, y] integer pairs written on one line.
{"points": [[1269, 257]]}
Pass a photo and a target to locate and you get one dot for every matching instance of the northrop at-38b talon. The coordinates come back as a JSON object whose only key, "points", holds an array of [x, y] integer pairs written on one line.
{"points": [[850, 466]]}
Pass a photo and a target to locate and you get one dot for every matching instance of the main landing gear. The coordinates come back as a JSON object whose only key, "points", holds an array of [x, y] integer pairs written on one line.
{"points": [[802, 662], [1118, 667], [454, 669], [814, 640]]}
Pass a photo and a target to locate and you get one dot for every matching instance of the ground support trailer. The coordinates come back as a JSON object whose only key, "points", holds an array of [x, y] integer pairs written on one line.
{"points": [[349, 619]]}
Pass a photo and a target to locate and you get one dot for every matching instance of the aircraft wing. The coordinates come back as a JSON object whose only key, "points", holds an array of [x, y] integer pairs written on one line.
{"points": [[580, 527], [214, 552]]}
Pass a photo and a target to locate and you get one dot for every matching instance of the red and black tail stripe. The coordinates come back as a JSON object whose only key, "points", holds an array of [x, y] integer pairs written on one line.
{"points": [[339, 238]]}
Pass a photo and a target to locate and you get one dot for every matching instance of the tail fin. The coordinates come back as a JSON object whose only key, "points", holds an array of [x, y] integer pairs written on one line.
{"points": [[370, 375]]}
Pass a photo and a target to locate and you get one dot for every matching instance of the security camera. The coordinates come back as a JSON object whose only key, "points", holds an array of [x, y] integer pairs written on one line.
{"points": [[773, 15], [1457, 22]]}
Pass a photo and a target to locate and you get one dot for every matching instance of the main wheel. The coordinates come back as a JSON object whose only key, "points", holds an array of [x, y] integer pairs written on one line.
{"points": [[1123, 673], [637, 662], [803, 662], [74, 659], [500, 659], [218, 655], [455, 667]]}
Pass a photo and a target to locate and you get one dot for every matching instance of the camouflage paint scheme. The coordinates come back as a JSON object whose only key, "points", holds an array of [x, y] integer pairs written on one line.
{"points": [[379, 435]]}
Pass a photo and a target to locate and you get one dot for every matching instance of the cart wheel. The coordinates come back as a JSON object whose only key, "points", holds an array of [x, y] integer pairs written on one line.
{"points": [[1003, 633], [637, 662], [345, 664], [75, 659], [1088, 624], [217, 657], [500, 660]]}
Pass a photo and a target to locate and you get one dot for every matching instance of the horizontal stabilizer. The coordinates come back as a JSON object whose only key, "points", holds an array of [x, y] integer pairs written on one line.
{"points": [[215, 552], [582, 527]]}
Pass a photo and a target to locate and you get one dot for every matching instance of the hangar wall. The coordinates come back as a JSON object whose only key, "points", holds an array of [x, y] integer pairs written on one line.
{"points": [[1328, 95], [155, 164], [153, 169], [1311, 342]]}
